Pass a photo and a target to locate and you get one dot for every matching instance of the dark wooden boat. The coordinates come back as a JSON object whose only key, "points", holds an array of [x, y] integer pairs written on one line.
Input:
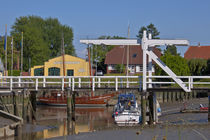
{"points": [[57, 99]]}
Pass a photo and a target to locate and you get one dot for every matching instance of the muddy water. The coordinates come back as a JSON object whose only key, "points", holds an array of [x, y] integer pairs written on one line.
{"points": [[52, 122]]}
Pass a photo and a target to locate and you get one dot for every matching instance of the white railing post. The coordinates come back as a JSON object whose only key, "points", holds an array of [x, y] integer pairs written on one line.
{"points": [[99, 82], [150, 65], [62, 84], [44, 81], [116, 83], [69, 82], [37, 83], [191, 82], [72, 84], [93, 84], [127, 84], [11, 82], [79, 82], [144, 46], [19, 81]]}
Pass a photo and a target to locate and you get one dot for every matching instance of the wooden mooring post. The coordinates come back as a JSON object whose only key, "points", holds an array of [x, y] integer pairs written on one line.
{"points": [[70, 111], [23, 103], [17, 128], [32, 104], [164, 97], [15, 103], [143, 107], [151, 108]]}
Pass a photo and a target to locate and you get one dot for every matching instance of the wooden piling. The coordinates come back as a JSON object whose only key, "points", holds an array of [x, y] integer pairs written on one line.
{"points": [[28, 114], [18, 132], [168, 96], [190, 95], [181, 96], [23, 104], [185, 96], [176, 96], [194, 94], [15, 104], [7, 100], [69, 110], [155, 99], [151, 111], [33, 104], [143, 108], [27, 107], [164, 97], [73, 102], [172, 96]]}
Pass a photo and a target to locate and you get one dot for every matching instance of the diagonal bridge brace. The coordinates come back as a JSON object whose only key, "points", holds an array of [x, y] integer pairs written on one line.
{"points": [[168, 70], [147, 43]]}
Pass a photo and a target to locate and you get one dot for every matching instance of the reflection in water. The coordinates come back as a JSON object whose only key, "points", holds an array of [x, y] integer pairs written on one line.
{"points": [[52, 122]]}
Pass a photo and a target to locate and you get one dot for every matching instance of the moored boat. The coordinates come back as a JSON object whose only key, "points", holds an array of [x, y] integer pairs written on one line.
{"points": [[126, 111], [58, 99]]}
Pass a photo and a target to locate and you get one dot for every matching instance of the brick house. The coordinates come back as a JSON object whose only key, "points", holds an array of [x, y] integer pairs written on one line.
{"points": [[197, 52], [118, 55]]}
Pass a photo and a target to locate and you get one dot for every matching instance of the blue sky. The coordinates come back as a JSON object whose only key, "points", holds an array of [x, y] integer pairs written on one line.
{"points": [[179, 19]]}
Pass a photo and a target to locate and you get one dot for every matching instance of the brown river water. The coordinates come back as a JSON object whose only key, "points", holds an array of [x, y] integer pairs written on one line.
{"points": [[52, 122]]}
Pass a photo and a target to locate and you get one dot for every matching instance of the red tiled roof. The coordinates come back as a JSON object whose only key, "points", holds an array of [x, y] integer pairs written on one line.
{"points": [[118, 55], [201, 52]]}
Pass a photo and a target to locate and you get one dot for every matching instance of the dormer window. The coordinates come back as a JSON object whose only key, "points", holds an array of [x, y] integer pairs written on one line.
{"points": [[134, 55]]}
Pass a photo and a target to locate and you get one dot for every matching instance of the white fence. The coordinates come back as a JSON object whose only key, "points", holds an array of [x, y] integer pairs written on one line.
{"points": [[93, 82], [72, 82], [189, 81]]}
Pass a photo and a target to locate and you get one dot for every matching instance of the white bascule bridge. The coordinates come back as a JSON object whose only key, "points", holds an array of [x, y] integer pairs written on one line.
{"points": [[147, 43]]}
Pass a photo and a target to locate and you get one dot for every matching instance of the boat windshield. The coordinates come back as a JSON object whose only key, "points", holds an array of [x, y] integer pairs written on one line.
{"points": [[127, 101]]}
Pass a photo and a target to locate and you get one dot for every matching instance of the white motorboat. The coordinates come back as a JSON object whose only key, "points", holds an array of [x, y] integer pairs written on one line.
{"points": [[126, 111]]}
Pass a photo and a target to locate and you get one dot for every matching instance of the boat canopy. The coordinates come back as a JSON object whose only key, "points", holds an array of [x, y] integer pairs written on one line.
{"points": [[126, 97]]}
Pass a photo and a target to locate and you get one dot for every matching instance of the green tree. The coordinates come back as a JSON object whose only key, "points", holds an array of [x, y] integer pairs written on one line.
{"points": [[197, 66], [150, 29], [176, 63], [171, 49], [53, 34], [41, 39], [207, 71]]}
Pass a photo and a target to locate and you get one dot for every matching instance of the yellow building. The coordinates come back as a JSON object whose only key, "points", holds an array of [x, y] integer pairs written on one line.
{"points": [[74, 66]]}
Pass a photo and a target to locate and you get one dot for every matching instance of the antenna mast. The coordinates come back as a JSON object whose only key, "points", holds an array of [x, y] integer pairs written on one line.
{"points": [[128, 49], [63, 54]]}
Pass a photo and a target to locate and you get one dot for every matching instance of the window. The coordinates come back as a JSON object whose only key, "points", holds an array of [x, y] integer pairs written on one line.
{"points": [[70, 72], [54, 71], [111, 67], [39, 72], [134, 55]]}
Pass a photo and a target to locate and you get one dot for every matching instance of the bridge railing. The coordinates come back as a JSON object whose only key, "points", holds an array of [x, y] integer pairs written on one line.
{"points": [[190, 81], [93, 82]]}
